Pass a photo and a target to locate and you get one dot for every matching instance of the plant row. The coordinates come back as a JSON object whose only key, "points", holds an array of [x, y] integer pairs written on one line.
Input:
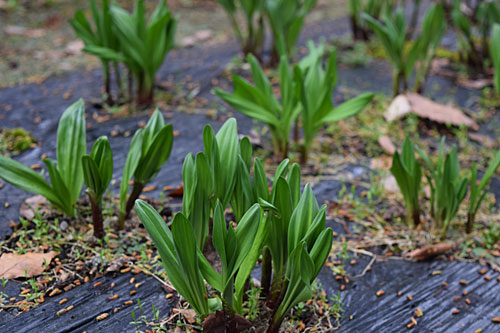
{"points": [[284, 223], [476, 24], [304, 98], [149, 150], [448, 187]]}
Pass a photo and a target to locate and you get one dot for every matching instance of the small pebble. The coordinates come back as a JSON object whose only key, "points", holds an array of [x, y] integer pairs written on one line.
{"points": [[63, 225]]}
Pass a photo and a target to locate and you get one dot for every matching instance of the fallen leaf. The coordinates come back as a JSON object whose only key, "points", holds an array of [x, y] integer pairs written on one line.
{"points": [[22, 31], [31, 205], [199, 36], [188, 314], [474, 84], [75, 47], [425, 108], [483, 139], [399, 107], [24, 265], [390, 184], [381, 162], [177, 192], [386, 143], [441, 67], [117, 264], [430, 251]]}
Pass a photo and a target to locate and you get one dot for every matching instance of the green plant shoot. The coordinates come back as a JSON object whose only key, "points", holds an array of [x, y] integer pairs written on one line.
{"points": [[408, 173], [479, 191], [97, 173], [258, 102], [150, 149]]}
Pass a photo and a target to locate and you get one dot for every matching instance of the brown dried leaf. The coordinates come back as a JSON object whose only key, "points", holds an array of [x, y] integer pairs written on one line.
{"points": [[430, 251], [199, 36], [22, 31], [390, 184], [474, 84], [30, 205], [381, 162], [444, 114], [386, 143], [16, 265], [177, 192], [75, 47], [425, 108], [483, 139], [399, 107], [188, 314]]}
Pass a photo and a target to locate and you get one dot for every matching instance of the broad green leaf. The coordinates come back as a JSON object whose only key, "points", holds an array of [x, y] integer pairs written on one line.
{"points": [[131, 163], [26, 179], [71, 146]]}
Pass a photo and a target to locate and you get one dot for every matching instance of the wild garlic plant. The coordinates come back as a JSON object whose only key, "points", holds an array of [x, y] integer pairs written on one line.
{"points": [[66, 173], [286, 18], [149, 150], [250, 33], [97, 173], [473, 22], [314, 87], [141, 44], [144, 43], [374, 8], [448, 187], [101, 41], [392, 32], [479, 191], [259, 102], [305, 90], [408, 173], [285, 223]]}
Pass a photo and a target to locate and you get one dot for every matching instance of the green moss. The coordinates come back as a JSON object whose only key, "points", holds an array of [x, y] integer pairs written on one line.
{"points": [[442, 52], [15, 140], [490, 98]]}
